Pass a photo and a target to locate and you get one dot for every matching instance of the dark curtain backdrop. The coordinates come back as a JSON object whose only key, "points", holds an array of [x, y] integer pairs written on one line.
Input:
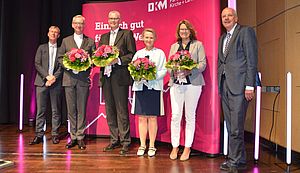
{"points": [[24, 25]]}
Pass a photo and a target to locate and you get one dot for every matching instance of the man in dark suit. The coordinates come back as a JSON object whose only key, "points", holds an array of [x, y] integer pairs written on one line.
{"points": [[76, 83], [237, 68], [48, 85], [115, 81]]}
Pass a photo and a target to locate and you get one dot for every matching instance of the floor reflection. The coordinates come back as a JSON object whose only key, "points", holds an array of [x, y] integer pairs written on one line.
{"points": [[44, 147], [21, 154], [68, 160]]}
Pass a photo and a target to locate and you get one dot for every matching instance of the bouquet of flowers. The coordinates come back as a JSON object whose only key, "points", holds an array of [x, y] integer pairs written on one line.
{"points": [[77, 59], [181, 60], [142, 68], [104, 55]]}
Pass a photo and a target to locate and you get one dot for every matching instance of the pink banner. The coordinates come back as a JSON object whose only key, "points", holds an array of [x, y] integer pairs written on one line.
{"points": [[163, 16]]}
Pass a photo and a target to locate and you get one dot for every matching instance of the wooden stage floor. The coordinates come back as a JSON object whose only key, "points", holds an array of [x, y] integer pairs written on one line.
{"points": [[48, 157]]}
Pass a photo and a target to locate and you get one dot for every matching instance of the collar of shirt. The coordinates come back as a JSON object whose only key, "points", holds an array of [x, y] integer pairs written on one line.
{"points": [[149, 53], [115, 31], [54, 45], [76, 36], [232, 30]]}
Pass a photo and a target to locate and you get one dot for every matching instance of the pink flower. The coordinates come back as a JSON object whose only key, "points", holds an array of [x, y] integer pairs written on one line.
{"points": [[73, 49], [144, 60], [80, 51], [102, 47], [107, 49], [77, 55], [151, 64], [137, 62], [105, 55], [146, 66], [99, 53], [72, 58], [176, 57], [83, 59]]}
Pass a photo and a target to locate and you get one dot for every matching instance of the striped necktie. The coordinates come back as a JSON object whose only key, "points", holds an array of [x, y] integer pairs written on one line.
{"points": [[227, 43]]}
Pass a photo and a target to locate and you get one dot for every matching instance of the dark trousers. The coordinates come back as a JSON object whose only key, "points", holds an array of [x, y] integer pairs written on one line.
{"points": [[116, 105], [42, 96], [234, 109], [76, 98]]}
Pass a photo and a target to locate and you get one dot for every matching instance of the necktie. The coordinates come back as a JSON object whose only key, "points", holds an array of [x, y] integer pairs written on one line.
{"points": [[227, 42], [51, 60]]}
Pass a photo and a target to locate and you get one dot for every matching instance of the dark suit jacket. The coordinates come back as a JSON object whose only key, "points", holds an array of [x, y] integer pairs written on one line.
{"points": [[69, 78], [240, 63], [42, 66], [126, 45]]}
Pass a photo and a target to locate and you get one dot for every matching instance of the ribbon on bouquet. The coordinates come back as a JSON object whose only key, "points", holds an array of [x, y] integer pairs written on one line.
{"points": [[181, 80]]}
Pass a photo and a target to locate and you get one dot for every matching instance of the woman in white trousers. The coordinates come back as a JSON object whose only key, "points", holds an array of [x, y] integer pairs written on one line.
{"points": [[186, 88]]}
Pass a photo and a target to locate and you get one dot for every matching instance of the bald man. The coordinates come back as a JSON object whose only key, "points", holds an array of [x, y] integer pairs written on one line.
{"points": [[237, 68]]}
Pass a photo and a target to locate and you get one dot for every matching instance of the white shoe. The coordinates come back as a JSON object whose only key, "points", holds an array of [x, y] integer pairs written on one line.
{"points": [[151, 151], [141, 151]]}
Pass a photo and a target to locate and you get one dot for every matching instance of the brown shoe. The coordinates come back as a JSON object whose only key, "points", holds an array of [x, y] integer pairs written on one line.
{"points": [[186, 154], [174, 153]]}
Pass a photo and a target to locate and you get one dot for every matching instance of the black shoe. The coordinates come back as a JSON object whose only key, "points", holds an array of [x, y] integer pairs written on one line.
{"points": [[55, 139], [110, 147], [81, 145], [36, 140], [225, 166], [71, 144], [124, 150]]}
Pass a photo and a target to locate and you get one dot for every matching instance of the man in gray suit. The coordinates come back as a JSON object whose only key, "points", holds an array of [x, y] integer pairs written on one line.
{"points": [[115, 80], [237, 67], [76, 83], [48, 85]]}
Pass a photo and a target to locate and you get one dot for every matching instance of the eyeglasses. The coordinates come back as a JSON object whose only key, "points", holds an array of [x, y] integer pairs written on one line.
{"points": [[184, 29], [78, 23], [113, 18]]}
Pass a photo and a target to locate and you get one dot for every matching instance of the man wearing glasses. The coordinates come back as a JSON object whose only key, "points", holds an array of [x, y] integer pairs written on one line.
{"points": [[115, 81], [76, 83]]}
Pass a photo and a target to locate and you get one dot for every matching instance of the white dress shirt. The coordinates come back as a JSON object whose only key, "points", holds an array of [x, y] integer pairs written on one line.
{"points": [[78, 39], [52, 55]]}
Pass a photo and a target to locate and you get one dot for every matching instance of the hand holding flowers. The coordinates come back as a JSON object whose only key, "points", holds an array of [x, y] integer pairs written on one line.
{"points": [[181, 60], [105, 55], [142, 69], [77, 60], [181, 63], [181, 73]]}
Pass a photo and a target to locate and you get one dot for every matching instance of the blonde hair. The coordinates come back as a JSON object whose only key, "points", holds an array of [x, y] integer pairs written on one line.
{"points": [[149, 30]]}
